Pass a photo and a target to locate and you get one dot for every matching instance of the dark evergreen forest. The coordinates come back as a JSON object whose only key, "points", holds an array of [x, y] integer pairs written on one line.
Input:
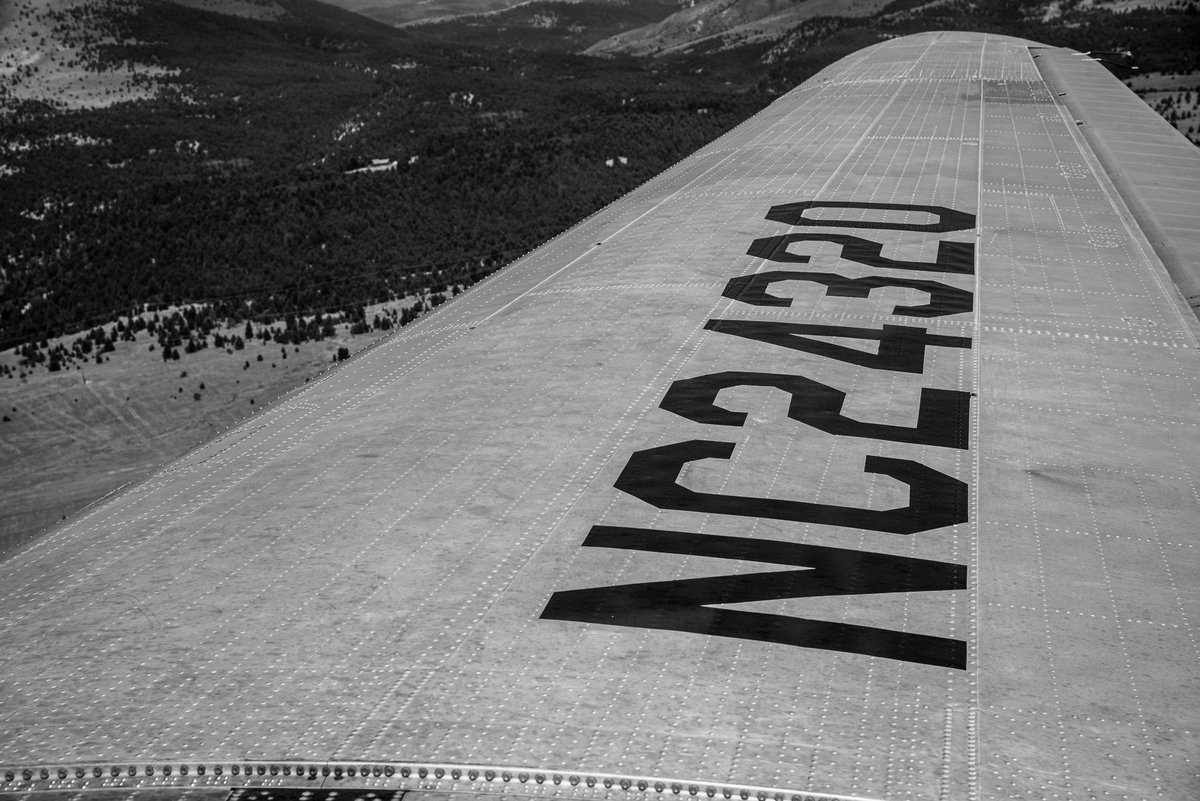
{"points": [[237, 189]]}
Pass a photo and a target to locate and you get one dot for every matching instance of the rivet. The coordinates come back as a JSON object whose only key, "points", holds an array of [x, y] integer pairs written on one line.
{"points": [[438, 773], [149, 770], [287, 770], [183, 770], [376, 771], [261, 769], [28, 774], [574, 780], [608, 783], [200, 770], [45, 773], [218, 770], [422, 772], [389, 771], [9, 776], [166, 770], [274, 770], [676, 789], [506, 776], [591, 781], [325, 770], [642, 784], [710, 791], [62, 773], [95, 772], [79, 772], [349, 772], [472, 775], [556, 779], [659, 787], [540, 778], [626, 784], [337, 772], [489, 775], [524, 777]]}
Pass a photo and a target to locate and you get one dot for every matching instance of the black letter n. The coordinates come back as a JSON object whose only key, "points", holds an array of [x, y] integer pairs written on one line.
{"points": [[688, 604]]}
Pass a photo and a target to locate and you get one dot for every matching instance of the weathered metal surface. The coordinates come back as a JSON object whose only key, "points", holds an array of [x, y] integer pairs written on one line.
{"points": [[1154, 168], [484, 545]]}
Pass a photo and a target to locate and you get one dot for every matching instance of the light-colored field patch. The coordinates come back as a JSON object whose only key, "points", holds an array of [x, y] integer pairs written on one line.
{"points": [[46, 54], [1054, 10], [1176, 97], [250, 9], [732, 24], [70, 437], [1158, 81]]}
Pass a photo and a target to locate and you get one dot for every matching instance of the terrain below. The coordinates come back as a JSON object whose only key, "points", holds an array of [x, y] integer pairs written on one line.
{"points": [[318, 160], [70, 437]]}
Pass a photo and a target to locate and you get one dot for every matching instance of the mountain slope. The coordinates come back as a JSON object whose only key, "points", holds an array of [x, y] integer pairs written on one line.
{"points": [[549, 25], [401, 12], [736, 20], [235, 187]]}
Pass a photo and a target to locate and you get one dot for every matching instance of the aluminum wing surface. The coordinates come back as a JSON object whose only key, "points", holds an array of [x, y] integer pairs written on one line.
{"points": [[853, 457]]}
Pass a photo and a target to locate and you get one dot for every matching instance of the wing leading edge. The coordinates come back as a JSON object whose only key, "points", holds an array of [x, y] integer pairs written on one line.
{"points": [[850, 458]]}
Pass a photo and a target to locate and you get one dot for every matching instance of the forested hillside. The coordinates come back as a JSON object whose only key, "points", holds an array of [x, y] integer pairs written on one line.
{"points": [[315, 165]]}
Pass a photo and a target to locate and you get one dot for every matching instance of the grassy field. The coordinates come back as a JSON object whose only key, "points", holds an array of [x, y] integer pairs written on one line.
{"points": [[1176, 96], [70, 437], [38, 63]]}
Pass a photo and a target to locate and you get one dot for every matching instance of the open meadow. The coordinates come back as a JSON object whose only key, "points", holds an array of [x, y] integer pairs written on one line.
{"points": [[70, 437]]}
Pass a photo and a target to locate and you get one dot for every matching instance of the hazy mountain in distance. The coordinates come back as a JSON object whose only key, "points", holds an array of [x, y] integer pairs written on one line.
{"points": [[743, 21], [709, 26], [562, 26], [403, 12], [398, 12], [621, 14]]}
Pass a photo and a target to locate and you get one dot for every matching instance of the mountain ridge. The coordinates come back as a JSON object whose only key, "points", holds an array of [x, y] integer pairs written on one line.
{"points": [[746, 20], [546, 25]]}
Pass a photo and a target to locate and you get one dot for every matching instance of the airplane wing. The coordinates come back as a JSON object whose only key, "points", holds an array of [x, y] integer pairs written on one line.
{"points": [[854, 457]]}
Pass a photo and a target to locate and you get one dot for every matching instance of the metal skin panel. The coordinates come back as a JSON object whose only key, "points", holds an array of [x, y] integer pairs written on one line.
{"points": [[853, 457]]}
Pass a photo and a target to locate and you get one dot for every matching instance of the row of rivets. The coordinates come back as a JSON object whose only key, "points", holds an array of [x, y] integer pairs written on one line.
{"points": [[201, 770], [338, 772]]}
